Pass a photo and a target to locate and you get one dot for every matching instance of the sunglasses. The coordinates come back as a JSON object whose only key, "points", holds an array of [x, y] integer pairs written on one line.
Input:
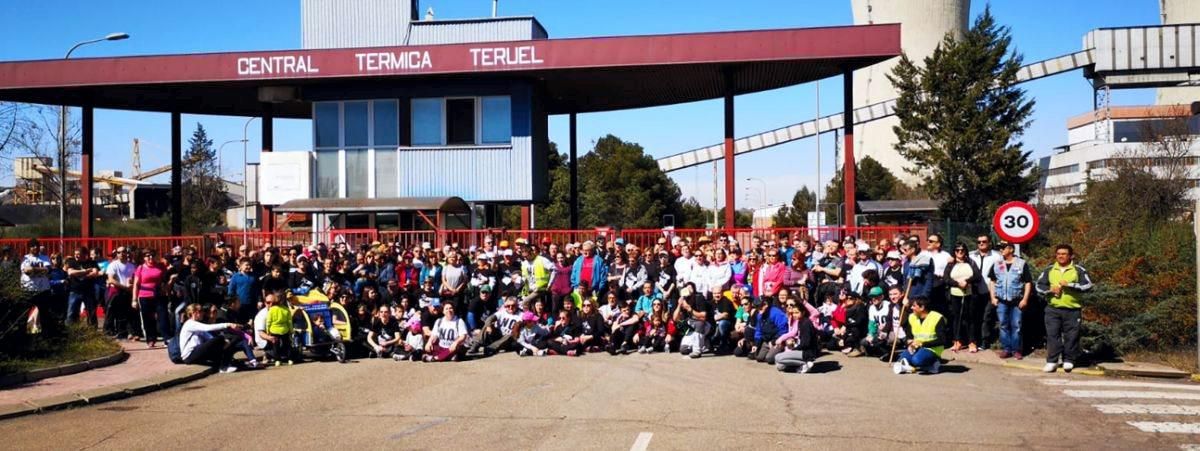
{"points": [[982, 241]]}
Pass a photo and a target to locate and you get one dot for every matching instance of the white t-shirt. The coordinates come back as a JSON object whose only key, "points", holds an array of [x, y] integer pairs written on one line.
{"points": [[447, 332], [879, 314], [940, 260], [193, 333], [260, 325], [986, 262], [683, 270], [37, 283], [506, 321], [121, 270]]}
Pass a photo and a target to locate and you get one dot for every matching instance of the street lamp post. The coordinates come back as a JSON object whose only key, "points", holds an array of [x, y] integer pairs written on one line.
{"points": [[764, 188], [246, 184], [220, 150], [62, 140]]}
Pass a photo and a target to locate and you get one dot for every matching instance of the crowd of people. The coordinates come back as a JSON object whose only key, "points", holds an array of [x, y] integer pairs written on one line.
{"points": [[780, 300]]}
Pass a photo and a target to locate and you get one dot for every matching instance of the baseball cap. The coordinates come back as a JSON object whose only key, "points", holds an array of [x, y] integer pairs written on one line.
{"points": [[893, 255], [875, 292], [503, 243], [528, 317], [487, 288], [864, 247], [619, 241], [426, 246]]}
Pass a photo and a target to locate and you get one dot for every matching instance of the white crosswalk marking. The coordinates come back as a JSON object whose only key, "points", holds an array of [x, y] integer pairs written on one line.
{"points": [[1166, 427], [1147, 409], [1126, 384], [1117, 394], [1189, 447]]}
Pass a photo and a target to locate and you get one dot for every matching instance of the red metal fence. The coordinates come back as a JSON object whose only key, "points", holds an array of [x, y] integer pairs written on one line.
{"points": [[464, 238]]}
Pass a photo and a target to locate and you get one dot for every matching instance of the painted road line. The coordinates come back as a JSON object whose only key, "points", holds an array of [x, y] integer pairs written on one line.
{"points": [[1117, 394], [1189, 447], [642, 442], [1128, 384], [1166, 427], [1147, 409]]}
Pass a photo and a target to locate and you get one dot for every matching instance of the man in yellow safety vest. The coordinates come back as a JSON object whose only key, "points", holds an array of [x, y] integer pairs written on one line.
{"points": [[926, 331], [537, 270]]}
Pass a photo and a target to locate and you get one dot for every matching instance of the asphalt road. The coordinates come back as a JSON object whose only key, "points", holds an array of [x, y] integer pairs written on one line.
{"points": [[595, 402]]}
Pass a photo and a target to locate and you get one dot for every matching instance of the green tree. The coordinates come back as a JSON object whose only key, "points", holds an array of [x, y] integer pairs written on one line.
{"points": [[204, 199], [622, 186], [796, 214], [961, 119], [872, 181]]}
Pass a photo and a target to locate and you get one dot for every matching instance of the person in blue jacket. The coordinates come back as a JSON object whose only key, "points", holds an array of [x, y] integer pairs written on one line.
{"points": [[771, 324], [596, 274], [918, 269]]}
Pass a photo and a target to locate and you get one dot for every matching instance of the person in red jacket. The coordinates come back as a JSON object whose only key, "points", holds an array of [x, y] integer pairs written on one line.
{"points": [[770, 277]]}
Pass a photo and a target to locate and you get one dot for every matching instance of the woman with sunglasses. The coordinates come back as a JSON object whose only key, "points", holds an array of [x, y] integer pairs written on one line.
{"points": [[966, 309], [149, 298], [590, 326], [657, 330]]}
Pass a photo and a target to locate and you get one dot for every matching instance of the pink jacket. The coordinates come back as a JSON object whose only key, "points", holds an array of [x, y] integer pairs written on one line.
{"points": [[770, 279]]}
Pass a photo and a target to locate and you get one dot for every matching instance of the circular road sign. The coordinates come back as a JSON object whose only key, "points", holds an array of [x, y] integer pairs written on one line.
{"points": [[1016, 222]]}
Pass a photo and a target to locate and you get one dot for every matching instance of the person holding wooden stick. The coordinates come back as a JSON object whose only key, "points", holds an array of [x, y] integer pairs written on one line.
{"points": [[927, 330]]}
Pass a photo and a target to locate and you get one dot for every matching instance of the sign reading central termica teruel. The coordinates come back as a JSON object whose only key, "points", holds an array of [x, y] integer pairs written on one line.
{"points": [[387, 62]]}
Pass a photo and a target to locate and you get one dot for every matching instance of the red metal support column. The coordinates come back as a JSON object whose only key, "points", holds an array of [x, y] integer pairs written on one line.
{"points": [[176, 174], [730, 201], [266, 214], [85, 174], [524, 217], [573, 166], [848, 136]]}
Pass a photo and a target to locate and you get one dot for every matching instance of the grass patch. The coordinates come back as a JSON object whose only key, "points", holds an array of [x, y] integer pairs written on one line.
{"points": [[80, 343], [1181, 359]]}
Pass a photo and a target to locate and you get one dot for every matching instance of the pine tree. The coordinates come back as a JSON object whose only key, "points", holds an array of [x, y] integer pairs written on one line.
{"points": [[961, 120], [204, 198]]}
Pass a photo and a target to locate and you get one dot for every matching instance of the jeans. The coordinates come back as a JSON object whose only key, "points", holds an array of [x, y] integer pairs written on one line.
{"points": [[1062, 334], [1010, 326], [472, 321], [920, 359], [75, 300], [724, 329]]}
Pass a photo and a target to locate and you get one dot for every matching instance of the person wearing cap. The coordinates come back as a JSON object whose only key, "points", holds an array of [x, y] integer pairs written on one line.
{"points": [[1009, 285], [862, 263], [532, 335], [696, 311], [879, 335], [447, 336], [927, 330], [590, 270], [537, 271], [893, 271]]}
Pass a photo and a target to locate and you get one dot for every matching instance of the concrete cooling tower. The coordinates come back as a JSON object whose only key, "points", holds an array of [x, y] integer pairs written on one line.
{"points": [[923, 25], [1178, 12]]}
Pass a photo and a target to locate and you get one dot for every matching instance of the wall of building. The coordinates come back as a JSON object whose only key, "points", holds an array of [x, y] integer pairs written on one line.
{"points": [[1178, 12], [475, 30], [355, 23], [924, 23]]}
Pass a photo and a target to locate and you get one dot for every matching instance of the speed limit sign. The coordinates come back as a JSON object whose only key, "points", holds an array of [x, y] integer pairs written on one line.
{"points": [[1016, 222]]}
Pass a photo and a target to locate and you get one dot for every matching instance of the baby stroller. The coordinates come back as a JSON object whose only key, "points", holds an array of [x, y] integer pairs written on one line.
{"points": [[320, 326]]}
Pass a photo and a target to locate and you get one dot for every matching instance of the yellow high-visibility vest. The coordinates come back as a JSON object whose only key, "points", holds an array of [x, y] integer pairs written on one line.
{"points": [[926, 331]]}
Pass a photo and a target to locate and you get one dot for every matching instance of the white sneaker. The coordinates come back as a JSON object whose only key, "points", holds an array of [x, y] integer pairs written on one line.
{"points": [[902, 367], [541, 353], [253, 364], [228, 369], [1068, 366], [1050, 367], [806, 367]]}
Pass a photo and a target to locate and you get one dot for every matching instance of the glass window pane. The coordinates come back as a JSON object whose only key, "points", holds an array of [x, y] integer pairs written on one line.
{"points": [[327, 173], [460, 121], [427, 122], [326, 118], [497, 120], [356, 123], [386, 123], [385, 173], [356, 173]]}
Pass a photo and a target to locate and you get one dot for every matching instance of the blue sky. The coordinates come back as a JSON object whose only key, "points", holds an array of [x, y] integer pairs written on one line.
{"points": [[1041, 29]]}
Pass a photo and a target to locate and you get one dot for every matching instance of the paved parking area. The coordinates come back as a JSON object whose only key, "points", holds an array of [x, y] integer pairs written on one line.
{"points": [[593, 402]]}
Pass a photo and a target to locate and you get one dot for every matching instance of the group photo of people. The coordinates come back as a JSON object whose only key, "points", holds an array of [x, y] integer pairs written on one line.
{"points": [[780, 300]]}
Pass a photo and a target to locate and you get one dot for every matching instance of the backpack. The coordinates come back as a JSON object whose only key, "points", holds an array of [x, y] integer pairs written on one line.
{"points": [[173, 350]]}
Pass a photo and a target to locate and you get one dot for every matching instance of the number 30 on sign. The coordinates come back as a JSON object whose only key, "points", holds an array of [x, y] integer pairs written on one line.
{"points": [[1016, 222]]}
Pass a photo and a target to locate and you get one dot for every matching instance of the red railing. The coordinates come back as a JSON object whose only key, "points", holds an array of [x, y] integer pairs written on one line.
{"points": [[464, 238]]}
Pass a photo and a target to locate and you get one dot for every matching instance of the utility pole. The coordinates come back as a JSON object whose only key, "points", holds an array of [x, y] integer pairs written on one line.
{"points": [[1196, 231], [817, 189], [716, 200]]}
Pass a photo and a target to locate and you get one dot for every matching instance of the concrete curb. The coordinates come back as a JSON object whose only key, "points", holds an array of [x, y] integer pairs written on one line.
{"points": [[1029, 367], [105, 394], [63, 370]]}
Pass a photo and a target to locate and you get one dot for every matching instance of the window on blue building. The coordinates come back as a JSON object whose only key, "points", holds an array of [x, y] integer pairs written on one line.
{"points": [[387, 123], [325, 118], [427, 122], [355, 118], [496, 120]]}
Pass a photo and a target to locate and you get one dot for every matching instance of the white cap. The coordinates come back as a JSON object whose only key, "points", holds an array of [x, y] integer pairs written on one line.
{"points": [[426, 246], [893, 254]]}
